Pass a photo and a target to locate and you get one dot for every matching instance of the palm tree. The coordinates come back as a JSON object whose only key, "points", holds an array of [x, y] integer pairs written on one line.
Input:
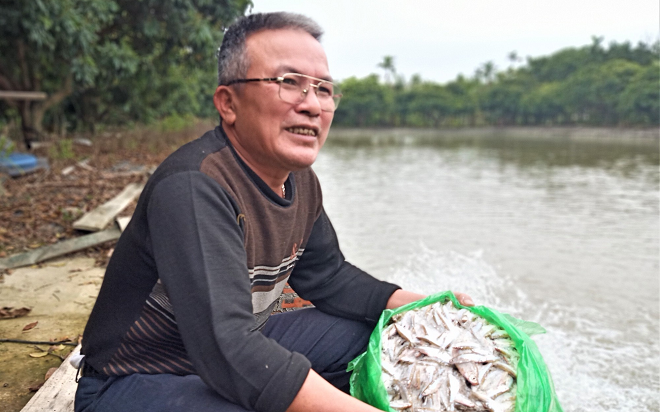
{"points": [[388, 65]]}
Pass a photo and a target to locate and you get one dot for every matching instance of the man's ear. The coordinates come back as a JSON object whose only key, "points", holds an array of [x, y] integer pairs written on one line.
{"points": [[224, 100]]}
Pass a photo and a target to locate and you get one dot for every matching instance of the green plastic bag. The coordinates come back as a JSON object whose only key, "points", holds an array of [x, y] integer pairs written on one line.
{"points": [[535, 390]]}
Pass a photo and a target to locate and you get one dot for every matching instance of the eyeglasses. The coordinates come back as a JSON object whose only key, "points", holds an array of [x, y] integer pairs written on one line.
{"points": [[295, 86]]}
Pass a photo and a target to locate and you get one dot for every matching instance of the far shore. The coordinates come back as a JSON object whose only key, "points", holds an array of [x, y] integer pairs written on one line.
{"points": [[648, 135]]}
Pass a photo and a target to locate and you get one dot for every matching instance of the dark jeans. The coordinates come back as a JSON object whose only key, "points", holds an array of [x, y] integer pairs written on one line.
{"points": [[328, 342]]}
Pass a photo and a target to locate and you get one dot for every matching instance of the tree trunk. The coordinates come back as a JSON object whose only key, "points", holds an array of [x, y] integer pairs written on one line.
{"points": [[31, 129], [32, 113]]}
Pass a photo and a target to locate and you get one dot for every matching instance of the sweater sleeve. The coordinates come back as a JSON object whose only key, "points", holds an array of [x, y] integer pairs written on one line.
{"points": [[333, 285], [200, 257]]}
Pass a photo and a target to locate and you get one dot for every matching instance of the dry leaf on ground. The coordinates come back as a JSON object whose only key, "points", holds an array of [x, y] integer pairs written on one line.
{"points": [[62, 339], [50, 373], [29, 326], [35, 387], [38, 354], [10, 312]]}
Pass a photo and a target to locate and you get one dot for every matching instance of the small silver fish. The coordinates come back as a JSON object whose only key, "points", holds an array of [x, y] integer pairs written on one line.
{"points": [[405, 333], [469, 371], [439, 358], [400, 404]]}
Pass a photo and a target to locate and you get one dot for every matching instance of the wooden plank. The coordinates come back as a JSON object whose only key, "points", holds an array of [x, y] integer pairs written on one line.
{"points": [[59, 391], [58, 249], [20, 95], [100, 217]]}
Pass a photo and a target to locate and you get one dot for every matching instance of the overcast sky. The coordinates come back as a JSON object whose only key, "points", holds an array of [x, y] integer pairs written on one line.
{"points": [[442, 38]]}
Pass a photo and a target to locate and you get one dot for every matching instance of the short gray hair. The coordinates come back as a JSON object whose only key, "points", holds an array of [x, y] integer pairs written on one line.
{"points": [[233, 60]]}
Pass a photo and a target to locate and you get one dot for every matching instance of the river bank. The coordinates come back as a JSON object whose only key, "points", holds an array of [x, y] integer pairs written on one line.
{"points": [[403, 135]]}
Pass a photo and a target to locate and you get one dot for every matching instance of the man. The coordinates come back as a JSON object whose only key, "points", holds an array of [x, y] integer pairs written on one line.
{"points": [[180, 321]]}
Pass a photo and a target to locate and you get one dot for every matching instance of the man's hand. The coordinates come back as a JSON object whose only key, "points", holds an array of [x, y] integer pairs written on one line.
{"points": [[402, 297], [318, 395], [464, 299]]}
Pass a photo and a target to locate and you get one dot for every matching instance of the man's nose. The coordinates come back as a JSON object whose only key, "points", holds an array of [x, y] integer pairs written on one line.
{"points": [[310, 103]]}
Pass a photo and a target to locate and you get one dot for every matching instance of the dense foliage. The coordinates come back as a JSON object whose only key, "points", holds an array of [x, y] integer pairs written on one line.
{"points": [[591, 85], [110, 61], [117, 62]]}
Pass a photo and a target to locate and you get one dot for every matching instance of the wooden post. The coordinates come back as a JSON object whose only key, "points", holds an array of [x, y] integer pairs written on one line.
{"points": [[20, 95], [24, 96]]}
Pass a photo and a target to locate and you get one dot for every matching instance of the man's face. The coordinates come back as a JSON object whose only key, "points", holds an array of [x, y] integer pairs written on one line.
{"points": [[272, 135]]}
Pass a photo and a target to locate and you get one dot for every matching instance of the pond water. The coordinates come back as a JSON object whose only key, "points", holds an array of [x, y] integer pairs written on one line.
{"points": [[563, 232]]}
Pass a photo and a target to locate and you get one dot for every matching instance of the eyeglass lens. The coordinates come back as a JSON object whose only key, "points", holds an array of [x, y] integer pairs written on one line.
{"points": [[294, 88]]}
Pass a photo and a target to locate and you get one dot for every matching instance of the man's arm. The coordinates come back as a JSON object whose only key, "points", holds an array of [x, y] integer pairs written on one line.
{"points": [[333, 285], [339, 288]]}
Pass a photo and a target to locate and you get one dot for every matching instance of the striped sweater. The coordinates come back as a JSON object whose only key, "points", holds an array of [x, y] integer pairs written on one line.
{"points": [[200, 267]]}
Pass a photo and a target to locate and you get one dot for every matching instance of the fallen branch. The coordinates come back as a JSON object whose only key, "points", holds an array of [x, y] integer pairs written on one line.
{"points": [[39, 342], [48, 352], [73, 183]]}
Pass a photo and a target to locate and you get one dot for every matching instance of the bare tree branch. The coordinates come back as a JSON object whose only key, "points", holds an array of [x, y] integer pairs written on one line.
{"points": [[60, 95], [24, 66], [5, 83]]}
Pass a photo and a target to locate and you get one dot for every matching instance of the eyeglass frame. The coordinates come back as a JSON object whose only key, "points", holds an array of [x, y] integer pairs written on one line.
{"points": [[335, 97]]}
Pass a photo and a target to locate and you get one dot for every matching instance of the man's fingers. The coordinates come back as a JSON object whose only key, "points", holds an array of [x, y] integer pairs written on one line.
{"points": [[464, 299]]}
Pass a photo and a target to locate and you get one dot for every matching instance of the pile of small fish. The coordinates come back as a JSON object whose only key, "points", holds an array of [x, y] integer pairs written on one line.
{"points": [[438, 358]]}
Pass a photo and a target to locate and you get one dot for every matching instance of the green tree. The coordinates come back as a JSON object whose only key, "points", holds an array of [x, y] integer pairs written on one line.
{"points": [[639, 102], [543, 105], [501, 100], [592, 94], [431, 102], [366, 103], [47, 46], [464, 98], [593, 84], [102, 55], [560, 65]]}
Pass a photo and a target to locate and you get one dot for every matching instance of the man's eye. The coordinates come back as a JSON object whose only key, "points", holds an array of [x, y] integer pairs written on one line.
{"points": [[290, 81], [326, 91]]}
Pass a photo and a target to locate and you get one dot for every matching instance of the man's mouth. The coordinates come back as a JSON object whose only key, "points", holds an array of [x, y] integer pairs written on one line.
{"points": [[302, 130]]}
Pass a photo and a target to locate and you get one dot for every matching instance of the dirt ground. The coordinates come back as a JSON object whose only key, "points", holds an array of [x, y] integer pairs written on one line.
{"points": [[38, 209], [61, 294]]}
